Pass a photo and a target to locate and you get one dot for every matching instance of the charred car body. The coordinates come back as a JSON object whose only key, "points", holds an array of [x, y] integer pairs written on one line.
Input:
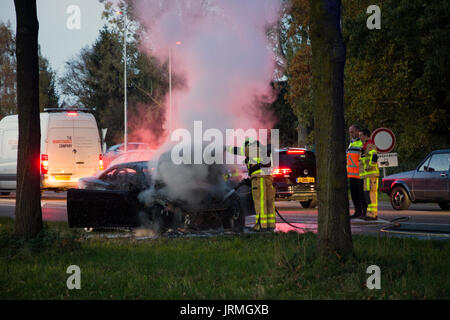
{"points": [[169, 196]]}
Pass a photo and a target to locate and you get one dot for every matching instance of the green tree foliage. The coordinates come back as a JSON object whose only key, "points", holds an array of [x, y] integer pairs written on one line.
{"points": [[95, 80], [398, 76], [48, 96], [287, 120], [8, 99], [295, 36], [395, 77]]}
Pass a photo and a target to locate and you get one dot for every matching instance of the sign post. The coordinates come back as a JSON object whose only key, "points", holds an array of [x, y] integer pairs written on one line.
{"points": [[384, 140]]}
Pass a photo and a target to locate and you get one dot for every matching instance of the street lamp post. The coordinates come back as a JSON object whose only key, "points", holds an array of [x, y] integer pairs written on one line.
{"points": [[170, 90], [125, 125]]}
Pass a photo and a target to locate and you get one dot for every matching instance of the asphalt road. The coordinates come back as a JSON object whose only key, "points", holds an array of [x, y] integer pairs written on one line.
{"points": [[54, 209]]}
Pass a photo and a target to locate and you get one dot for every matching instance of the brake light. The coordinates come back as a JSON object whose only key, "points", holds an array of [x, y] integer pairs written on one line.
{"points": [[44, 164], [281, 171], [72, 113], [295, 152], [100, 162]]}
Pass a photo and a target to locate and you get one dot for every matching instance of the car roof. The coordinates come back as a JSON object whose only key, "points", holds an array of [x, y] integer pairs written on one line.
{"points": [[130, 164], [441, 151]]}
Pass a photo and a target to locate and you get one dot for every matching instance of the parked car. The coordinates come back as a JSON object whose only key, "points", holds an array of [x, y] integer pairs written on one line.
{"points": [[115, 151], [295, 177], [429, 182]]}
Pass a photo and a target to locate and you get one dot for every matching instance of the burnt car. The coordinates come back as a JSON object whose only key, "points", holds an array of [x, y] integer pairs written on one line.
{"points": [[295, 176], [429, 182], [132, 195]]}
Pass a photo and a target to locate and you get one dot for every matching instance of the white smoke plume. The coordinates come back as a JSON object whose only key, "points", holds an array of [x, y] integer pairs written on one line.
{"points": [[220, 48]]}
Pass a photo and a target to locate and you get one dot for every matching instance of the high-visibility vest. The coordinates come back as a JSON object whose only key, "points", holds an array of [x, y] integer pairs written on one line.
{"points": [[369, 164], [353, 155]]}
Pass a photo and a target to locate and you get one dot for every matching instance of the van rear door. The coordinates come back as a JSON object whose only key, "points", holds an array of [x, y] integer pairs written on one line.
{"points": [[86, 148], [60, 150]]}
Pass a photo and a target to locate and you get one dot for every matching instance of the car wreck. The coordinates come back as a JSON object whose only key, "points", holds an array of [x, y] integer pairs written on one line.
{"points": [[163, 197]]}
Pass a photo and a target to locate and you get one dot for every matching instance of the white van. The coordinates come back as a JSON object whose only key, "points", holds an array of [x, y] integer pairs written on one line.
{"points": [[70, 149]]}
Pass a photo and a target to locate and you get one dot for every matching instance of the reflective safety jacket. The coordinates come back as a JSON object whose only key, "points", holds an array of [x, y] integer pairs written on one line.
{"points": [[353, 158], [368, 166], [255, 165]]}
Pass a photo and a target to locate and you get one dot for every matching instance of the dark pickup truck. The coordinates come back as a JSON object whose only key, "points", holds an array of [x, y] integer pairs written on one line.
{"points": [[429, 182]]}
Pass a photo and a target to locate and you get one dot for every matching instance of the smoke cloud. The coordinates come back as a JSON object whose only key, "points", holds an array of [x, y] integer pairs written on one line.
{"points": [[220, 49]]}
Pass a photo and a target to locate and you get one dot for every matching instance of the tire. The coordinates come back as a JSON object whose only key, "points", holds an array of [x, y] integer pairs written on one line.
{"points": [[159, 221], [235, 217], [309, 204], [444, 205], [399, 198]]}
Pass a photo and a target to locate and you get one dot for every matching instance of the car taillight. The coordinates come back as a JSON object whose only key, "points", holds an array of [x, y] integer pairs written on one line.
{"points": [[100, 162], [72, 113], [281, 171], [44, 164], [295, 152]]}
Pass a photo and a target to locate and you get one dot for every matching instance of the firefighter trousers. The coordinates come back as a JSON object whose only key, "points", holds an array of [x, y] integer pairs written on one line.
{"points": [[263, 193], [371, 195]]}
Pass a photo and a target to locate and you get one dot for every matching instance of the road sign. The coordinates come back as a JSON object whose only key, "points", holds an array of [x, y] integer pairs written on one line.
{"points": [[386, 160], [384, 140]]}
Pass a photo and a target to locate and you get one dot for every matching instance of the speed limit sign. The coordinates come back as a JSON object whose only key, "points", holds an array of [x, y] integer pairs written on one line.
{"points": [[384, 139]]}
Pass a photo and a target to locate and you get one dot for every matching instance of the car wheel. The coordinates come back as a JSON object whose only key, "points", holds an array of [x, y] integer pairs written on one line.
{"points": [[309, 204], [400, 199], [444, 205], [235, 218], [160, 221]]}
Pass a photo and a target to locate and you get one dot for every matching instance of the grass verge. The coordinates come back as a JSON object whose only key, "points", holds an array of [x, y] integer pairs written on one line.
{"points": [[249, 266]]}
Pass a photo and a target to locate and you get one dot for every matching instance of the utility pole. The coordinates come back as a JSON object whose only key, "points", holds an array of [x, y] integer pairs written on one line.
{"points": [[125, 125], [125, 82]]}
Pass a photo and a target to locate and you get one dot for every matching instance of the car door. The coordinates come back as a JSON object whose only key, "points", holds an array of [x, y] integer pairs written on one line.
{"points": [[419, 180], [437, 183], [102, 208], [116, 207]]}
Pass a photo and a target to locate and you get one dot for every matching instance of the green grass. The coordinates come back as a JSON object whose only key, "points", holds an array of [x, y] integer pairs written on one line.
{"points": [[251, 266]]}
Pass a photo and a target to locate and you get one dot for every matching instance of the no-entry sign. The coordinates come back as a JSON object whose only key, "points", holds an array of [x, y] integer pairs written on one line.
{"points": [[384, 139]]}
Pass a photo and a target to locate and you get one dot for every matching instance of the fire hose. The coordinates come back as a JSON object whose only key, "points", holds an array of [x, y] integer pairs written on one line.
{"points": [[246, 181]]}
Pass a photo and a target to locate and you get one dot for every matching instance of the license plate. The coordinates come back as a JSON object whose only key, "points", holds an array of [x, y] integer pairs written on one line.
{"points": [[62, 177], [305, 180]]}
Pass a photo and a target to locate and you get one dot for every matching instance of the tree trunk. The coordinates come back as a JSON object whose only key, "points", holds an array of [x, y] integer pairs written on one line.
{"points": [[302, 134], [28, 199], [328, 60]]}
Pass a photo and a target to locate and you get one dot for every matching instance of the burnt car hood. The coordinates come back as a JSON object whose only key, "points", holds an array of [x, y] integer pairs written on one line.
{"points": [[401, 175]]}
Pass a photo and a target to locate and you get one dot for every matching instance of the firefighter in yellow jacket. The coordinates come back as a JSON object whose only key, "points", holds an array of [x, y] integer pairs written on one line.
{"points": [[370, 173], [263, 191]]}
